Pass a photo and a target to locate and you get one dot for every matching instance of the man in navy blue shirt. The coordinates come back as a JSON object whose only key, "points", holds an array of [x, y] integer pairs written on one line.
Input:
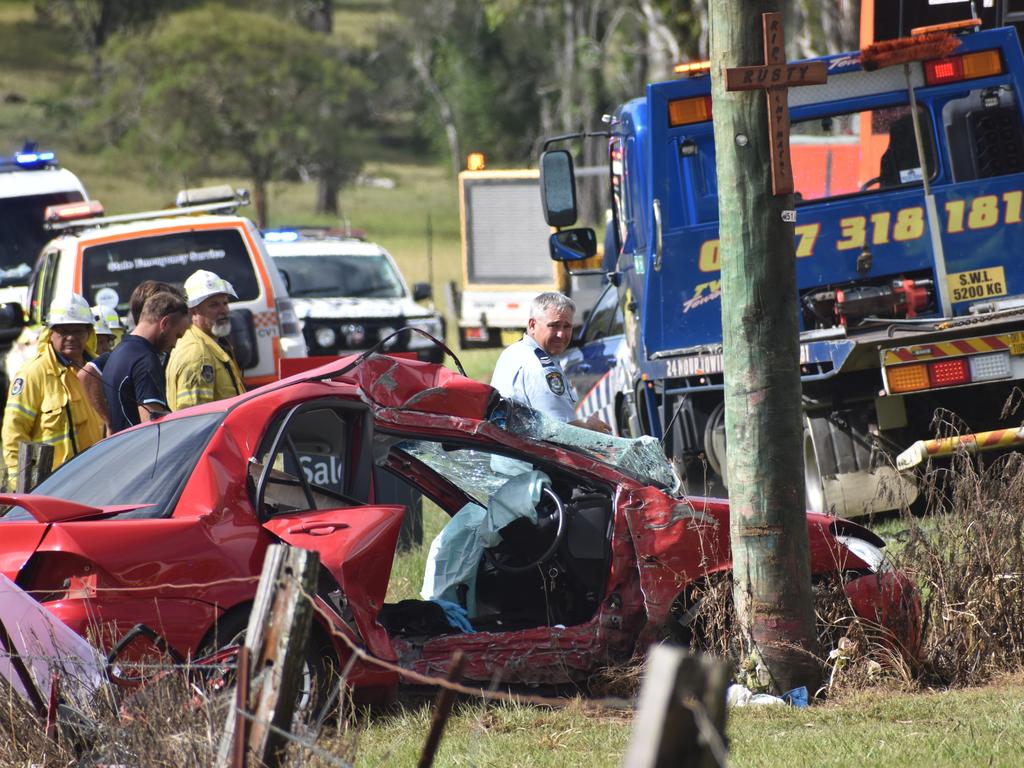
{"points": [[134, 374]]}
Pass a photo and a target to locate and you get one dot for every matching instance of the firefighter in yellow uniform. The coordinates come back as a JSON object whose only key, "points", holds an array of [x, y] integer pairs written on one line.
{"points": [[201, 367], [46, 403]]}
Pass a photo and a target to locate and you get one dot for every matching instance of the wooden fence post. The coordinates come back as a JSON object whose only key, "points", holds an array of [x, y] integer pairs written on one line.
{"points": [[680, 721], [35, 463], [276, 640], [442, 709]]}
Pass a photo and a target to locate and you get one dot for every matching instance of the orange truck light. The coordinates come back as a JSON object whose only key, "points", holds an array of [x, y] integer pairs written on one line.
{"points": [[970, 66], [688, 111], [907, 378]]}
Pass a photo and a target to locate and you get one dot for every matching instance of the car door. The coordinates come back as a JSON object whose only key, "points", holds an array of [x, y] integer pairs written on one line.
{"points": [[590, 364], [312, 481]]}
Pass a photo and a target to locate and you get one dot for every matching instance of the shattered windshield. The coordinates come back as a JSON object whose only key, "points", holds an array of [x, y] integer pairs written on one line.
{"points": [[642, 458], [477, 473]]}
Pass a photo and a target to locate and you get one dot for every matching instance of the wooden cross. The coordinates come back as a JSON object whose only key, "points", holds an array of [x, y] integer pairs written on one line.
{"points": [[776, 76]]}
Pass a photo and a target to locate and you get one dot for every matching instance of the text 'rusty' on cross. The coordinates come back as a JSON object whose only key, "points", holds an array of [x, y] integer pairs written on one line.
{"points": [[775, 77]]}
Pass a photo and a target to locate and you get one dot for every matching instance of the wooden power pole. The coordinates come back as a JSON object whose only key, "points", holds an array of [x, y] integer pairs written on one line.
{"points": [[763, 414]]}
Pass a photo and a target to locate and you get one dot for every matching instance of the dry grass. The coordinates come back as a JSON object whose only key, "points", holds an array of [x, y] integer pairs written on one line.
{"points": [[968, 558]]}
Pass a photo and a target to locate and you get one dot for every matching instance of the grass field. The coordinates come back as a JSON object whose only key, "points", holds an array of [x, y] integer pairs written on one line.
{"points": [[972, 727]]}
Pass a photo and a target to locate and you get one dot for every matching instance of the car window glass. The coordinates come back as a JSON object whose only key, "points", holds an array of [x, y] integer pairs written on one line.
{"points": [[140, 466], [121, 265], [602, 319], [22, 234], [371, 276], [479, 474], [41, 288], [313, 455]]}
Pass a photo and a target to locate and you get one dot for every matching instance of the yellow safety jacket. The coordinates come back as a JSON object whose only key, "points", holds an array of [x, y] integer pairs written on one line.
{"points": [[200, 370], [46, 404]]}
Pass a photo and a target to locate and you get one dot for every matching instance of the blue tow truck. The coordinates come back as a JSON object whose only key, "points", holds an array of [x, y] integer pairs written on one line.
{"points": [[910, 267]]}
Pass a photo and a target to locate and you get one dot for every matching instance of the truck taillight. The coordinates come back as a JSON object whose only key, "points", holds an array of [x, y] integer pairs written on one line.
{"points": [[969, 66], [688, 111], [73, 211], [949, 373], [908, 378]]}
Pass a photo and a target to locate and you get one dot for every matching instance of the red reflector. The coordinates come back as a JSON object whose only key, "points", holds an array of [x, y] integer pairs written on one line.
{"points": [[947, 373], [940, 71]]}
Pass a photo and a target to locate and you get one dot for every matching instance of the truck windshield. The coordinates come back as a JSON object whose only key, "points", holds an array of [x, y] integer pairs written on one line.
{"points": [[121, 265], [22, 235], [142, 466], [864, 151], [332, 275]]}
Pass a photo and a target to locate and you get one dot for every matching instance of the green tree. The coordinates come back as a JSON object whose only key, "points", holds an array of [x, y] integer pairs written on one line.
{"points": [[224, 91], [93, 22]]}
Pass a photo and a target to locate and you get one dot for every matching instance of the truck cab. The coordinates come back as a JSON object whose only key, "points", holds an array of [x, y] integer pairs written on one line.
{"points": [[904, 258]]}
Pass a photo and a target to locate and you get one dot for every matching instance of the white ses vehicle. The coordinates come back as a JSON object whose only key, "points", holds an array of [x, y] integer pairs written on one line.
{"points": [[349, 295]]}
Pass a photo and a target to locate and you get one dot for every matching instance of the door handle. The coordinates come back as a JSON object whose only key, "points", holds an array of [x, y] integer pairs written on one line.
{"points": [[318, 529]]}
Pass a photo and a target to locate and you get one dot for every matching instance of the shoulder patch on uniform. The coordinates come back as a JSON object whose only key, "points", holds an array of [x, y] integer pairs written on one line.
{"points": [[544, 357], [17, 386], [207, 373], [556, 383]]}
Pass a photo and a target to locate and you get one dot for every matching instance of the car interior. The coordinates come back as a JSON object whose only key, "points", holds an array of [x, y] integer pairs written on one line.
{"points": [[551, 572], [547, 571]]}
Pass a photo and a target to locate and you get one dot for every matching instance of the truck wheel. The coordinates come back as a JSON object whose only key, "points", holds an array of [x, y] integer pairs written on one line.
{"points": [[714, 443], [813, 488]]}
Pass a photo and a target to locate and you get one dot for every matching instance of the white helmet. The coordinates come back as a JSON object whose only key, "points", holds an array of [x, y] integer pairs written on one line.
{"points": [[202, 284], [70, 311], [106, 320]]}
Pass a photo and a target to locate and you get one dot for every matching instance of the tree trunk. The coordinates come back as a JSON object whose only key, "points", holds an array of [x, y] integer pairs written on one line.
{"points": [[327, 193], [421, 60], [259, 201], [763, 418]]}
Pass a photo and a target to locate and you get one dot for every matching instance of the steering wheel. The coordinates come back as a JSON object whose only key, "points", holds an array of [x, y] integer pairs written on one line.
{"points": [[559, 515]]}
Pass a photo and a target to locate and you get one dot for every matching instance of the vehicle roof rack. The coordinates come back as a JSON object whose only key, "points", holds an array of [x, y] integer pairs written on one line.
{"points": [[222, 198]]}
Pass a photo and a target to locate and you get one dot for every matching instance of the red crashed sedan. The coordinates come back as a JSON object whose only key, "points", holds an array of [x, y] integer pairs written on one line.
{"points": [[565, 549]]}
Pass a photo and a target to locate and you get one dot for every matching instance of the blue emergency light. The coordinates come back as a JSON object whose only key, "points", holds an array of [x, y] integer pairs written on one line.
{"points": [[281, 236], [34, 159], [28, 158]]}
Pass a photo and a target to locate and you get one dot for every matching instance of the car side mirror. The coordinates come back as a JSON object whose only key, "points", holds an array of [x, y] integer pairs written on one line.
{"points": [[421, 291], [286, 278], [558, 188], [12, 316], [573, 244]]}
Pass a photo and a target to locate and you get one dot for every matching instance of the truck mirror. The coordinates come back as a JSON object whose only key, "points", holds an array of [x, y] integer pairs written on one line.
{"points": [[573, 244], [558, 188], [12, 316], [421, 291]]}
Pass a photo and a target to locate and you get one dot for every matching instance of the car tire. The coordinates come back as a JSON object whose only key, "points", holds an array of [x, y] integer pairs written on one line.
{"points": [[320, 665]]}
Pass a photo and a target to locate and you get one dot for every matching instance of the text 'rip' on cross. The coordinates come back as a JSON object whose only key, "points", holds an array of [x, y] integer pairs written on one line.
{"points": [[776, 76]]}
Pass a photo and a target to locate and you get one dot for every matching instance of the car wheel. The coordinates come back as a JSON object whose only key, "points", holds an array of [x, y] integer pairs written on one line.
{"points": [[319, 668]]}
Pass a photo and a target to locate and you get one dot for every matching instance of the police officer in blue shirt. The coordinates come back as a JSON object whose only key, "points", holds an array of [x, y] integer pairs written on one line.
{"points": [[528, 372]]}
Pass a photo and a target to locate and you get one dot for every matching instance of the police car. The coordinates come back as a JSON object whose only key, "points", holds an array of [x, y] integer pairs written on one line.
{"points": [[104, 258], [349, 295]]}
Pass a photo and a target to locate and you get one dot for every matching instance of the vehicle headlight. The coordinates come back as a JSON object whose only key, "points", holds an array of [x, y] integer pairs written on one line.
{"points": [[325, 337], [866, 551], [431, 325]]}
